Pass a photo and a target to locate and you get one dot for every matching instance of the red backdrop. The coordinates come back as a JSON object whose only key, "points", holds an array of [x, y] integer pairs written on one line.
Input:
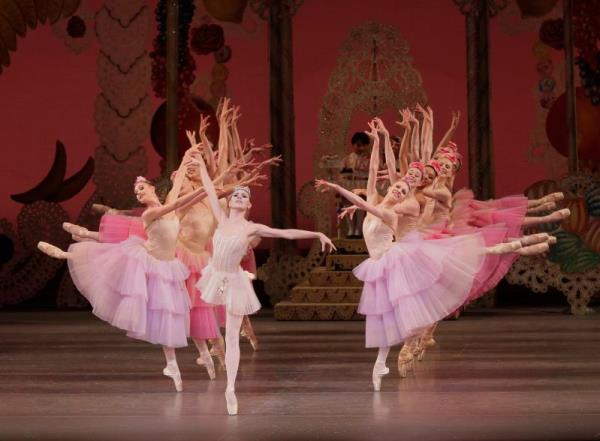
{"points": [[48, 92]]}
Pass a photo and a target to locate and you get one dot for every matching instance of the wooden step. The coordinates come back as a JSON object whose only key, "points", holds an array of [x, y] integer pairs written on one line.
{"points": [[321, 276], [306, 293], [287, 310], [348, 262], [350, 246]]}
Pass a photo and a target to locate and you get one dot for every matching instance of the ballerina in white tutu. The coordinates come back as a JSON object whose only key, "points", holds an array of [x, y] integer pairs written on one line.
{"points": [[223, 281]]}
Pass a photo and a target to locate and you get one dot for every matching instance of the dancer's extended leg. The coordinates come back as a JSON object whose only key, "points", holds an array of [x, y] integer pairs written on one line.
{"points": [[232, 358], [172, 369]]}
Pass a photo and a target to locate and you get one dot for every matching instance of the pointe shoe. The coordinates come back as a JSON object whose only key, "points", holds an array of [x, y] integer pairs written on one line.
{"points": [[248, 332], [218, 350], [75, 230], [560, 215], [175, 375], [405, 359], [552, 240], [208, 363], [231, 399], [51, 250], [503, 248], [531, 250], [379, 371], [533, 239], [554, 197]]}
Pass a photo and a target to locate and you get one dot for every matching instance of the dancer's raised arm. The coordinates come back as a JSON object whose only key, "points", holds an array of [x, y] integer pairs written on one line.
{"points": [[390, 158], [404, 153], [373, 163], [211, 193], [415, 141], [450, 132], [211, 160], [426, 133]]}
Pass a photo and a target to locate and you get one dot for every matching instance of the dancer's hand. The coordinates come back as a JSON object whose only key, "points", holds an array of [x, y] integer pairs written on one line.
{"points": [[383, 175], [455, 119], [326, 244], [347, 211], [204, 124], [405, 118], [191, 136], [101, 208], [322, 185], [381, 126], [373, 132]]}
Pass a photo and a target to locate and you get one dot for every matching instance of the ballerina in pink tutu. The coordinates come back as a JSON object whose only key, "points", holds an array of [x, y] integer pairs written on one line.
{"points": [[223, 281], [415, 282], [135, 285]]}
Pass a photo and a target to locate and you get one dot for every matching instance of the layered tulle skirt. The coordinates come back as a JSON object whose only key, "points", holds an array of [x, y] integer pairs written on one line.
{"points": [[203, 316], [115, 228], [230, 288], [416, 283], [132, 290]]}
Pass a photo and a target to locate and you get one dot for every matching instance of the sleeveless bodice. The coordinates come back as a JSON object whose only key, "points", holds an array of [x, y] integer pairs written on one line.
{"points": [[197, 227], [162, 237], [378, 236], [228, 252]]}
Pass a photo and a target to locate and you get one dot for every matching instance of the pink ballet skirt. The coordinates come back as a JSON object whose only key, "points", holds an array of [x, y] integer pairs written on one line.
{"points": [[509, 212], [203, 317], [132, 290], [115, 228], [223, 281], [416, 283]]}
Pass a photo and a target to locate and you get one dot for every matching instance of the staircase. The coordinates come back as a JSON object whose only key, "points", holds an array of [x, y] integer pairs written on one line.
{"points": [[331, 291]]}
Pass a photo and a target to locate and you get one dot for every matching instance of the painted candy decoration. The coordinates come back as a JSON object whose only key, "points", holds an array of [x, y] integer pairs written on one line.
{"points": [[592, 199], [584, 260], [592, 236], [578, 221], [567, 246]]}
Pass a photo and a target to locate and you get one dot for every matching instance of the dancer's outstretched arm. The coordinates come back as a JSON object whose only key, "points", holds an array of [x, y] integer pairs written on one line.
{"points": [[261, 230], [388, 216]]}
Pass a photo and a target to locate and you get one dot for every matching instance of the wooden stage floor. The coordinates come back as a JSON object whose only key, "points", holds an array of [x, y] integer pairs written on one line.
{"points": [[512, 374]]}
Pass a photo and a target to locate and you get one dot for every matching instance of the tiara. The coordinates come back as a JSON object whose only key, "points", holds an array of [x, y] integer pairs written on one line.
{"points": [[242, 188], [143, 179]]}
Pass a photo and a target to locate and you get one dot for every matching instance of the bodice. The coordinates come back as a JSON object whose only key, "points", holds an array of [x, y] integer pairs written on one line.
{"points": [[378, 236], [162, 237]]}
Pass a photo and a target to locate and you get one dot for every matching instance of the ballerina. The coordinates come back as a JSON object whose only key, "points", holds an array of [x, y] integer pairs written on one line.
{"points": [[135, 285], [223, 282], [415, 282]]}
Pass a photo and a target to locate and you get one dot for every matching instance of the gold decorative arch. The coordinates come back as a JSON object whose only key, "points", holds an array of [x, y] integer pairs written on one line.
{"points": [[374, 73]]}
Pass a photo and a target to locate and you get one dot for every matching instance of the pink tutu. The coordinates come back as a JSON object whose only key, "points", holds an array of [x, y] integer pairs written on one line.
{"points": [[115, 228], [417, 283], [203, 318], [132, 290]]}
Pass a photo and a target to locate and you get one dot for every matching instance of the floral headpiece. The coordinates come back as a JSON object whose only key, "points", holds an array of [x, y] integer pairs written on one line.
{"points": [[142, 179], [418, 165], [436, 166]]}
